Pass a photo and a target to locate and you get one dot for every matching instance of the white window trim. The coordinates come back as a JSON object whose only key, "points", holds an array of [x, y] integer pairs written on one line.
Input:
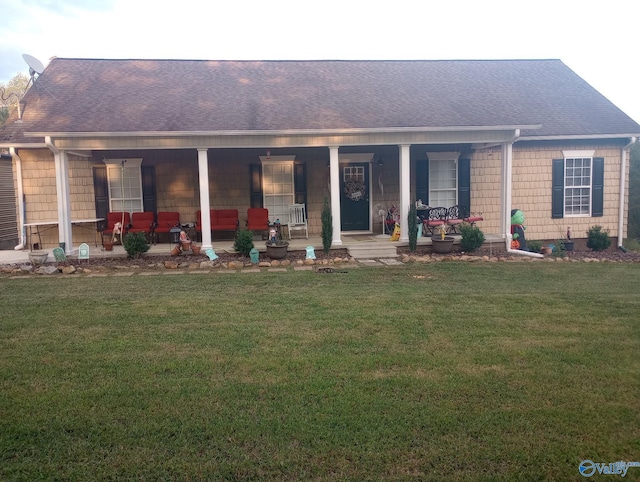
{"points": [[274, 160], [577, 155], [135, 162], [443, 156]]}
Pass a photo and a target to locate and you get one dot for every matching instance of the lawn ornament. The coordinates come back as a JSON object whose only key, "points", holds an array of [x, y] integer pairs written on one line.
{"points": [[518, 240]]}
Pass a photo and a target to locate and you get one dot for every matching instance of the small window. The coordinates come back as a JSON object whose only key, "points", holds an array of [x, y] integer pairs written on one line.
{"points": [[577, 186]]}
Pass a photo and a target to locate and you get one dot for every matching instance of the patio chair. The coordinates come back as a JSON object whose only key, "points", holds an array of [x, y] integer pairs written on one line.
{"points": [[114, 218], [143, 222], [166, 221], [437, 217], [298, 219], [258, 220]]}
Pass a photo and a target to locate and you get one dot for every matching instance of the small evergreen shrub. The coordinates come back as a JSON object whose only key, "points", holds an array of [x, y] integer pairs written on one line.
{"points": [[327, 226], [244, 242], [534, 245], [472, 237], [135, 244], [598, 238], [412, 224]]}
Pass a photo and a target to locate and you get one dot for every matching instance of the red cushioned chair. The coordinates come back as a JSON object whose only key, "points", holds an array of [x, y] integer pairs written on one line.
{"points": [[112, 219], [166, 221], [258, 220], [143, 222]]}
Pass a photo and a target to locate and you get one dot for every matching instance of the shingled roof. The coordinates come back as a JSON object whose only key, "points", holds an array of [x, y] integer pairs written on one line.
{"points": [[92, 95]]}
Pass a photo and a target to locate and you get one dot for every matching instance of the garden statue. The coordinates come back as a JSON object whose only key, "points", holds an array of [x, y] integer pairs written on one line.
{"points": [[518, 240]]}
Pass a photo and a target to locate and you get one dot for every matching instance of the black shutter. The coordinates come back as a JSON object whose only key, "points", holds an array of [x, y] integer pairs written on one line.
{"points": [[101, 191], [557, 188], [464, 186], [597, 187], [255, 185], [300, 183], [422, 180], [149, 189]]}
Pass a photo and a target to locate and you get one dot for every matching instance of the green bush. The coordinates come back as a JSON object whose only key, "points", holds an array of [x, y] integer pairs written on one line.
{"points": [[534, 245], [135, 244], [412, 224], [327, 226], [598, 238], [472, 237], [244, 242]]}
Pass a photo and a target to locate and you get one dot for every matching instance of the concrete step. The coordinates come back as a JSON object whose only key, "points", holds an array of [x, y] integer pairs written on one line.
{"points": [[372, 251]]}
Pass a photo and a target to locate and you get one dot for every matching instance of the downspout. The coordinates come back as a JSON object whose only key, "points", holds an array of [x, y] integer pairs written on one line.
{"points": [[508, 172], [21, 205], [623, 178]]}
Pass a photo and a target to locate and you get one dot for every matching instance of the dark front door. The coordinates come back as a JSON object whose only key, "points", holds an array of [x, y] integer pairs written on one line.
{"points": [[354, 197]]}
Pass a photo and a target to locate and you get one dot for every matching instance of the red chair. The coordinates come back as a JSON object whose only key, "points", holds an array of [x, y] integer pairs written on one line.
{"points": [[143, 222], [112, 219], [258, 219], [166, 221]]}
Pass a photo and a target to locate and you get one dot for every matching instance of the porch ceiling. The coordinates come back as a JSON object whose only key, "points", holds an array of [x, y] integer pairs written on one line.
{"points": [[204, 140]]}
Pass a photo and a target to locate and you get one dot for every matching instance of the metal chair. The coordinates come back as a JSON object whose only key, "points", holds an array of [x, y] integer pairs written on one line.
{"points": [[298, 219]]}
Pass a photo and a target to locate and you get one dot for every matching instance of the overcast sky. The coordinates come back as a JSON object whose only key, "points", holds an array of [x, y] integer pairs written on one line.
{"points": [[600, 41]]}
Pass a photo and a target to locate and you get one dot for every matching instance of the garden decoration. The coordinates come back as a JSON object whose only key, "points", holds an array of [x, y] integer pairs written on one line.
{"points": [[211, 254], [518, 240], [311, 254]]}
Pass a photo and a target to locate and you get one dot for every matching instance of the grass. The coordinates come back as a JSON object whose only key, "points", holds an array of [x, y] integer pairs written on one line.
{"points": [[445, 371]]}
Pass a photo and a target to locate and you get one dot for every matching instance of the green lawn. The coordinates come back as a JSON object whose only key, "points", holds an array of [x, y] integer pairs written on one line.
{"points": [[442, 371]]}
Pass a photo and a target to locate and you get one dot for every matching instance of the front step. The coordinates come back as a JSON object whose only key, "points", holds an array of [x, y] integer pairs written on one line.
{"points": [[372, 251]]}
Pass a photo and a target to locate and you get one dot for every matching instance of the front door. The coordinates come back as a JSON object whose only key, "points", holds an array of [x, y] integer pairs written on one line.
{"points": [[354, 197]]}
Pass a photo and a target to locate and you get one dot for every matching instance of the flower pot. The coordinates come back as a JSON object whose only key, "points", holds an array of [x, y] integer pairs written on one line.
{"points": [[568, 245], [108, 246], [442, 246], [186, 246], [38, 257], [546, 250], [176, 251], [277, 251], [196, 249]]}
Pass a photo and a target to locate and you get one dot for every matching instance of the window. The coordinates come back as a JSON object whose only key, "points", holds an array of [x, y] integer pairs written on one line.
{"points": [[577, 185], [278, 187], [125, 185], [443, 179]]}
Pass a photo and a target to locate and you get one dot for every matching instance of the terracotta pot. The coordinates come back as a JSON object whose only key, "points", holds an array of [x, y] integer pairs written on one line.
{"points": [[186, 246], [176, 251], [442, 246], [546, 250], [196, 249], [108, 246]]}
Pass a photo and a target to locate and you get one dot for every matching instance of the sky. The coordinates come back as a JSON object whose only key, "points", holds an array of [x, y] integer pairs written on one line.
{"points": [[597, 40]]}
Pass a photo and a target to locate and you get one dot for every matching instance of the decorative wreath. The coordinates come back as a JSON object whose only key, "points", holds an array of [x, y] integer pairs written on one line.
{"points": [[354, 189]]}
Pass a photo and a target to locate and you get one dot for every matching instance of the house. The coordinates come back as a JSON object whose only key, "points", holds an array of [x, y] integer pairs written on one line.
{"points": [[96, 135]]}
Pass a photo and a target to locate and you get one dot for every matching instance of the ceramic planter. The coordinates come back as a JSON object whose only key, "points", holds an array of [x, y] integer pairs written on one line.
{"points": [[442, 246], [38, 257], [277, 251]]}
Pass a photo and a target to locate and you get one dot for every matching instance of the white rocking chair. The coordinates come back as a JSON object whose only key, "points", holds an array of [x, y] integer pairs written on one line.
{"points": [[298, 219]]}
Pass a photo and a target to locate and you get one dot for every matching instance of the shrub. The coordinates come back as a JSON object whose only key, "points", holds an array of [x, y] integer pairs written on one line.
{"points": [[135, 244], [327, 226], [412, 224], [244, 242], [534, 245], [472, 237], [598, 238]]}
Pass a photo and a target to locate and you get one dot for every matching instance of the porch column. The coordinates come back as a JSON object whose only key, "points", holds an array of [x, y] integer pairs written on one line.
{"points": [[203, 177], [507, 163], [405, 191], [61, 162], [334, 176]]}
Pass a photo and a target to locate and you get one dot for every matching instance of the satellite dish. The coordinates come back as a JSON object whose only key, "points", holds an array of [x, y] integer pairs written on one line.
{"points": [[35, 66]]}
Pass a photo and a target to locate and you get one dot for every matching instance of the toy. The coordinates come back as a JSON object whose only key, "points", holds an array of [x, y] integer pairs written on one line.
{"points": [[518, 240]]}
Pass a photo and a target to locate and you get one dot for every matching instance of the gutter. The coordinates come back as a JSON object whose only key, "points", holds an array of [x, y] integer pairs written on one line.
{"points": [[21, 204], [623, 178]]}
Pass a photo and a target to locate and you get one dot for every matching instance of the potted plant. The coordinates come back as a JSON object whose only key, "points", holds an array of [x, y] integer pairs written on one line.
{"points": [[442, 244], [276, 248]]}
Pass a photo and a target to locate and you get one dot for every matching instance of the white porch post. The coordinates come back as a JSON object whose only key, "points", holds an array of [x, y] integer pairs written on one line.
{"points": [[405, 191], [203, 176], [507, 163], [61, 162], [334, 176]]}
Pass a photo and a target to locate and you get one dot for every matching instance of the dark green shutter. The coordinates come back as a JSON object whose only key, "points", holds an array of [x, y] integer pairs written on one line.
{"points": [[557, 188], [464, 186], [300, 183], [597, 187], [101, 191], [149, 189], [422, 180], [255, 185]]}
